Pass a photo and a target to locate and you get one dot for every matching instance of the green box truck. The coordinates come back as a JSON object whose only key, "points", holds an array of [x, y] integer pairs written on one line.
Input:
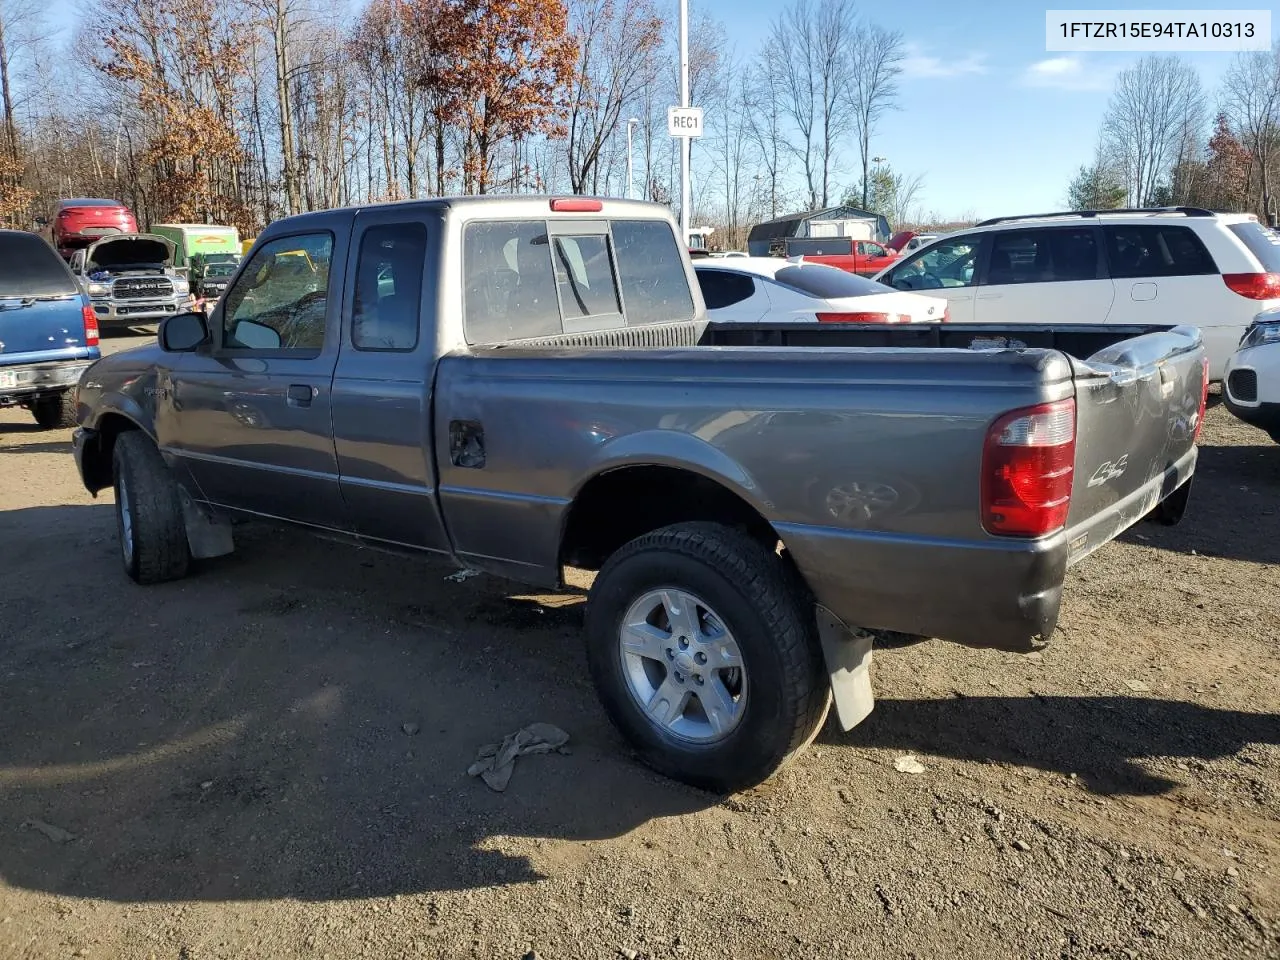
{"points": [[194, 241]]}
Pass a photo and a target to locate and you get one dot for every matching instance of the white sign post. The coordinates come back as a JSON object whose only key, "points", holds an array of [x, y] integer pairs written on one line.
{"points": [[684, 121], [685, 142]]}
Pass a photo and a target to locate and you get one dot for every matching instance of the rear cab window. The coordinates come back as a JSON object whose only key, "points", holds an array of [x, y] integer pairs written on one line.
{"points": [[526, 279], [29, 267], [1156, 251], [1262, 243]]}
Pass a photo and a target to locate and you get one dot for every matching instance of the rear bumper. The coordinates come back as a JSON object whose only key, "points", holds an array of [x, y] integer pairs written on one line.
{"points": [[21, 381], [996, 593]]}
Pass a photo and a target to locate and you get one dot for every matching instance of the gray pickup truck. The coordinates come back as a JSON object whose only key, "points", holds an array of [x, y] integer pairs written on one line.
{"points": [[521, 385]]}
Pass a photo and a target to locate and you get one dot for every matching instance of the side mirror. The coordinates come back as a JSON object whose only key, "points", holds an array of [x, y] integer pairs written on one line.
{"points": [[183, 332]]}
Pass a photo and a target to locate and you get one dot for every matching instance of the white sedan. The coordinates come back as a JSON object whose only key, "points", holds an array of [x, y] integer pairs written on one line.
{"points": [[750, 289], [1251, 386]]}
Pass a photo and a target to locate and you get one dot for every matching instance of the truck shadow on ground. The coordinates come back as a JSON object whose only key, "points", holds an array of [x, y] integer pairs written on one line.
{"points": [[297, 720], [1096, 738], [1232, 509], [293, 721]]}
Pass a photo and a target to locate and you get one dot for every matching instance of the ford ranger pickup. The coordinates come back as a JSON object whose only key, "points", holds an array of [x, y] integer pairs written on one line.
{"points": [[523, 385]]}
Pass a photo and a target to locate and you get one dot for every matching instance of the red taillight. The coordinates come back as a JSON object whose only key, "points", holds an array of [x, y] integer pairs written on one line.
{"points": [[946, 313], [1027, 466], [864, 317], [1204, 395], [1255, 286], [576, 205], [90, 327]]}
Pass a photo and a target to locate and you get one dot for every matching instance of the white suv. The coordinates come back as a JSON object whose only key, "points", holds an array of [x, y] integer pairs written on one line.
{"points": [[1175, 265], [1252, 385]]}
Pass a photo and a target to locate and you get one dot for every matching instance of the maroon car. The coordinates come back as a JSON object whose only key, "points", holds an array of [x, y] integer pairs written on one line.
{"points": [[79, 223]]}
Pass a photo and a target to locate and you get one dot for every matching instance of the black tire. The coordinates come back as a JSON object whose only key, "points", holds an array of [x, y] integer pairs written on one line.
{"points": [[52, 412], [153, 540], [1169, 511], [748, 586]]}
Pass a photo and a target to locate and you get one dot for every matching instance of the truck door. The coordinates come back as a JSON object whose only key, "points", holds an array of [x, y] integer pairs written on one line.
{"points": [[382, 385], [252, 413]]}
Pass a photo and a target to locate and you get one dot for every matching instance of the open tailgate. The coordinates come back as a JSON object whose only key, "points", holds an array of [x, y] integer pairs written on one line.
{"points": [[1138, 408]]}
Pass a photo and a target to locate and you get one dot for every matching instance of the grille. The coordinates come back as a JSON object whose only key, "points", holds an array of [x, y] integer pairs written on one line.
{"points": [[1243, 385], [142, 288]]}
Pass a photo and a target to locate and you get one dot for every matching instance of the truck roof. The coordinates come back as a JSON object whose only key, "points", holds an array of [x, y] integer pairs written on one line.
{"points": [[537, 206]]}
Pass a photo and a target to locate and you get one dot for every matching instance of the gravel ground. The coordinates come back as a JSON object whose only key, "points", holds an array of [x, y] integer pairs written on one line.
{"points": [[220, 767]]}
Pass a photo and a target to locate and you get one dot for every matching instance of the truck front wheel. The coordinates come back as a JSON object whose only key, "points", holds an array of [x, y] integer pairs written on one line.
{"points": [[705, 657], [153, 536]]}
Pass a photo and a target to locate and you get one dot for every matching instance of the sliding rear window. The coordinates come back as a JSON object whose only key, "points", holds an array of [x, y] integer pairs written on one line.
{"points": [[1263, 244], [30, 268], [827, 283]]}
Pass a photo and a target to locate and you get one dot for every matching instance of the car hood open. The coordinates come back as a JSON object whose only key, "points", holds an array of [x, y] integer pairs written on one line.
{"points": [[129, 249]]}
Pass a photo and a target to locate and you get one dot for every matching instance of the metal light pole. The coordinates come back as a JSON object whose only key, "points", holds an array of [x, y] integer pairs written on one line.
{"points": [[684, 102], [631, 125]]}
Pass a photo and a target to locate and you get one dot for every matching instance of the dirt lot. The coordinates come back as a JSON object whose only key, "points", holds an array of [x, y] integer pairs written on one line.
{"points": [[230, 756]]}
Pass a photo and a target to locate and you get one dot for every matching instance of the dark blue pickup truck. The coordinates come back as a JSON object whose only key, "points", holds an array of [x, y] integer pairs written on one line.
{"points": [[48, 331]]}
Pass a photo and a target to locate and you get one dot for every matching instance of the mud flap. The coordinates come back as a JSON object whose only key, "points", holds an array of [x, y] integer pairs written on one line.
{"points": [[207, 536], [848, 656]]}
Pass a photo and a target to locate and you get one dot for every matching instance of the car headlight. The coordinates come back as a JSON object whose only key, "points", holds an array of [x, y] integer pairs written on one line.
{"points": [[181, 286], [1260, 333], [99, 289]]}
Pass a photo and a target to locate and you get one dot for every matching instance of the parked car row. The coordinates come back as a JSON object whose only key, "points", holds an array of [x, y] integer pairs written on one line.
{"points": [[1178, 265]]}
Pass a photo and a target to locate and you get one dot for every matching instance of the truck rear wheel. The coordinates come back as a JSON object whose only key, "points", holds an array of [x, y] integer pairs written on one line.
{"points": [[704, 656], [55, 411], [153, 536]]}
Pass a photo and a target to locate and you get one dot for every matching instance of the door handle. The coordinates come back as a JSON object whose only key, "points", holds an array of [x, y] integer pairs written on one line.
{"points": [[301, 394]]}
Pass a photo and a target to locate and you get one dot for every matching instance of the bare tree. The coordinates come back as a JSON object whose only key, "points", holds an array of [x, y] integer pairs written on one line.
{"points": [[618, 44], [1251, 101], [873, 71], [1157, 108]]}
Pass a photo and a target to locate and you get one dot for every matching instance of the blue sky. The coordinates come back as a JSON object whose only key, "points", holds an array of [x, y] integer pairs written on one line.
{"points": [[993, 122]]}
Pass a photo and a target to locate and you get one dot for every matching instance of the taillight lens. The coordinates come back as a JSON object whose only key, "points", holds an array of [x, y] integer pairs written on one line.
{"points": [[1027, 467], [90, 327], [864, 317], [1204, 396], [946, 314], [1255, 286]]}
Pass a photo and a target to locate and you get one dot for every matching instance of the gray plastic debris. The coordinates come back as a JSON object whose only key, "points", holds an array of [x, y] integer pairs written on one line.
{"points": [[495, 761], [56, 834], [464, 574]]}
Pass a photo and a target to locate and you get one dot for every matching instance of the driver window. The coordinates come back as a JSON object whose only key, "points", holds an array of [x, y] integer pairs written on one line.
{"points": [[949, 263], [279, 300]]}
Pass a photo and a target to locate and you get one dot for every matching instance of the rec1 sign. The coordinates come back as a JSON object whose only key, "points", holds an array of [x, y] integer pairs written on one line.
{"points": [[684, 121]]}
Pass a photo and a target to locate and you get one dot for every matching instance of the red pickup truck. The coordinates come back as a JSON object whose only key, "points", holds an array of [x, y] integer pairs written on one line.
{"points": [[863, 257]]}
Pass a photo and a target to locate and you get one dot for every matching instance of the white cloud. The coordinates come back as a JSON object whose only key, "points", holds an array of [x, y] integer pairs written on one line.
{"points": [[917, 63], [1068, 73]]}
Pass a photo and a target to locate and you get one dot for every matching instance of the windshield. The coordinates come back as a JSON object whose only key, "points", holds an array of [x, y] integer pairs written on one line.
{"points": [[30, 268], [1262, 243], [220, 270], [828, 283]]}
